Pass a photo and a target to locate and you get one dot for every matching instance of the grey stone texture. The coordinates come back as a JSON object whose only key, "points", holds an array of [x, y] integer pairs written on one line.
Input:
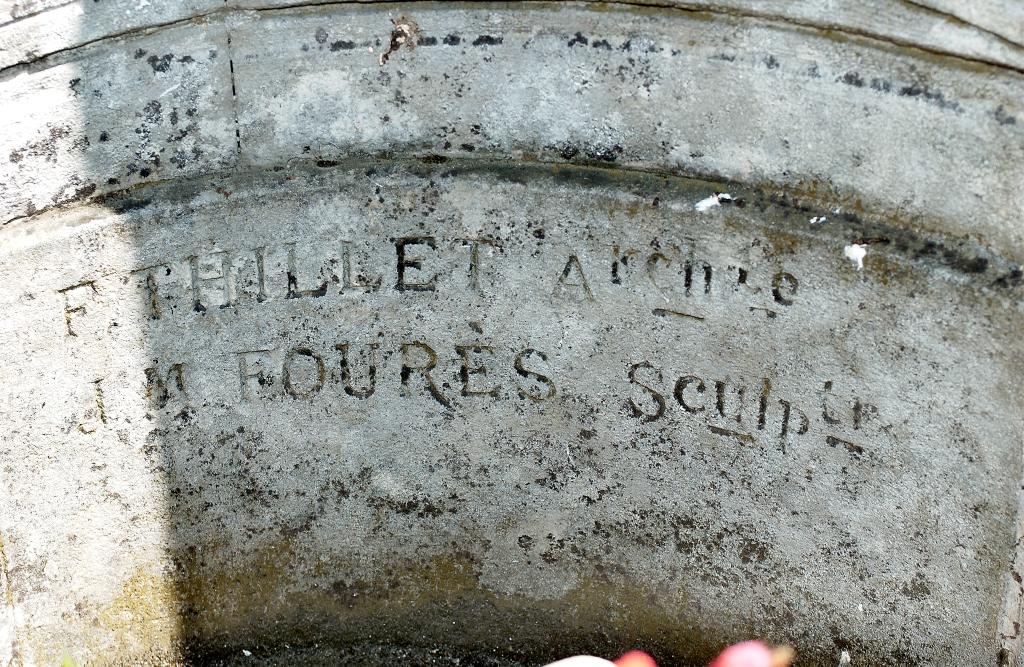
{"points": [[460, 357]]}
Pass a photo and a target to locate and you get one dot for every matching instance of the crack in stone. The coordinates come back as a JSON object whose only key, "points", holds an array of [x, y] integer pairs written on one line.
{"points": [[234, 99]]}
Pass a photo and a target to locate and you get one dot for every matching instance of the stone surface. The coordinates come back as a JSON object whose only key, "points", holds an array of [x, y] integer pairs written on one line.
{"points": [[856, 123], [984, 31], [461, 357]]}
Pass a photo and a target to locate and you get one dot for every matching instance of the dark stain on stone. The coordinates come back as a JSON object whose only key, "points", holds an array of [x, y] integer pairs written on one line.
{"points": [[881, 85], [1002, 117], [602, 44], [578, 39], [1010, 279], [604, 153], [152, 111], [327, 163], [45, 148], [104, 136], [928, 95], [568, 151], [434, 159], [488, 40], [342, 45], [452, 40], [852, 79], [74, 83], [183, 132], [160, 63], [427, 41], [917, 588], [771, 62], [182, 158], [320, 35], [140, 53], [84, 191], [966, 263]]}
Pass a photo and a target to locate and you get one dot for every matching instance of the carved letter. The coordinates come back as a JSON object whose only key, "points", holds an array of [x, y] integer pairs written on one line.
{"points": [[861, 411], [293, 278], [720, 400], [423, 369], [766, 390], [621, 259], [659, 400], [474, 260], [466, 370], [524, 372], [286, 373], [261, 274], [826, 414], [76, 295], [413, 263], [152, 294], [784, 286], [681, 385], [652, 267], [346, 371], [252, 365], [573, 264], [359, 282], [199, 278], [805, 423], [97, 415], [157, 387]]}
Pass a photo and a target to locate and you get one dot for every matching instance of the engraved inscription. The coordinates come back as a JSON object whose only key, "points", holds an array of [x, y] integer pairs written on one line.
{"points": [[673, 276], [729, 408]]}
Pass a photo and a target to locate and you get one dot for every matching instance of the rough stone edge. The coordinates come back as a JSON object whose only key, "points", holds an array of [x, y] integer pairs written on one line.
{"points": [[1011, 618], [8, 653], [37, 37]]}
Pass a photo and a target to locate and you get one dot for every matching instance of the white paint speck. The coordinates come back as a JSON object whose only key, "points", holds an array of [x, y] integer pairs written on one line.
{"points": [[246, 653], [818, 219], [856, 252], [712, 201], [844, 658]]}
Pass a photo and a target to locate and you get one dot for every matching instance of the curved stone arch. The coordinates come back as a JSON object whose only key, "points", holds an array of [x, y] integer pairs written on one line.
{"points": [[728, 156]]}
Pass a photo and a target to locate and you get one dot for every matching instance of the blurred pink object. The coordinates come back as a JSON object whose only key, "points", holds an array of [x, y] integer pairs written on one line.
{"points": [[744, 654], [636, 659], [753, 654]]}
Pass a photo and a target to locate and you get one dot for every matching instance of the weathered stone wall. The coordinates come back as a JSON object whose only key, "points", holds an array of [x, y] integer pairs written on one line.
{"points": [[460, 351]]}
